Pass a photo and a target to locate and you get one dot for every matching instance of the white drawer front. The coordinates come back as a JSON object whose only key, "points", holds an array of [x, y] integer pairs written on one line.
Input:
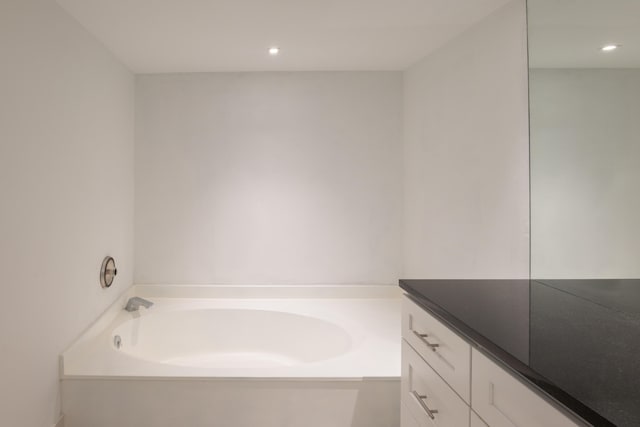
{"points": [[419, 379], [476, 421], [503, 401], [442, 348]]}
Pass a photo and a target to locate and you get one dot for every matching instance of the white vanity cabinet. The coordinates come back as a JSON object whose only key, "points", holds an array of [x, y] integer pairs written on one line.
{"points": [[440, 347], [436, 364], [476, 421], [446, 383], [427, 397], [503, 401]]}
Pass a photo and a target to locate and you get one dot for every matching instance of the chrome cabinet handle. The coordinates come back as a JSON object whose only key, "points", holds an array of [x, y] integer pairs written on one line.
{"points": [[420, 398], [423, 338]]}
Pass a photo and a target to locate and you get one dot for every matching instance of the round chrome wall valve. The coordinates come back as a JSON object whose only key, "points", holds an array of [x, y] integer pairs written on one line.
{"points": [[108, 272]]}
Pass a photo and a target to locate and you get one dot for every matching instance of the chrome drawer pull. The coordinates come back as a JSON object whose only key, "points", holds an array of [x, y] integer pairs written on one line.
{"points": [[423, 338], [422, 403]]}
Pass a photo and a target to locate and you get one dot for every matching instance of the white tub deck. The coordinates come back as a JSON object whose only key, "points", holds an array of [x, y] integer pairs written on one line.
{"points": [[368, 315]]}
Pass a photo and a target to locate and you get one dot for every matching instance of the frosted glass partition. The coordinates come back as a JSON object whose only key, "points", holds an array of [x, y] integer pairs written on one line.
{"points": [[584, 68]]}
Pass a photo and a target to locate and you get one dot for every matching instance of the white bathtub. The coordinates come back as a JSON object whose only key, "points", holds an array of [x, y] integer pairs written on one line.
{"points": [[231, 340], [325, 356]]}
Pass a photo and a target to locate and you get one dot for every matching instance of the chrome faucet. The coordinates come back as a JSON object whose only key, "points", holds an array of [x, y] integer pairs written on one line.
{"points": [[134, 304]]}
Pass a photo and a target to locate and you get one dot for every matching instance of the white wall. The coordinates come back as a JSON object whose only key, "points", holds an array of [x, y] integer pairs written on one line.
{"points": [[269, 178], [466, 154], [66, 188], [585, 179]]}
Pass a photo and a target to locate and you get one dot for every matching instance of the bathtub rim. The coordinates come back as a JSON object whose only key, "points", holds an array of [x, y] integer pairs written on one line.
{"points": [[228, 292]]}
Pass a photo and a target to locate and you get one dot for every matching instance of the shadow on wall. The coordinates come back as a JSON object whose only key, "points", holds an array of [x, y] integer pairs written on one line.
{"points": [[232, 403]]}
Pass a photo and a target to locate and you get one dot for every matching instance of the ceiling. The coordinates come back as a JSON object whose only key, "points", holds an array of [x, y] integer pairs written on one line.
{"points": [[157, 36], [570, 33]]}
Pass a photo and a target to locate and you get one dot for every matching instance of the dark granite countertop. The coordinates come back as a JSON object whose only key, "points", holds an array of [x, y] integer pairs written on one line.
{"points": [[576, 341]]}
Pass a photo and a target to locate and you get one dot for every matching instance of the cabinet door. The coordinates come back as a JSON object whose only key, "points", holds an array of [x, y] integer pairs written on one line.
{"points": [[447, 353], [427, 397], [406, 419], [503, 401], [476, 421]]}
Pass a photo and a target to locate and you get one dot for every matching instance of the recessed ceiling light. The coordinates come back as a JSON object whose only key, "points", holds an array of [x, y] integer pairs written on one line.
{"points": [[274, 50], [609, 47]]}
